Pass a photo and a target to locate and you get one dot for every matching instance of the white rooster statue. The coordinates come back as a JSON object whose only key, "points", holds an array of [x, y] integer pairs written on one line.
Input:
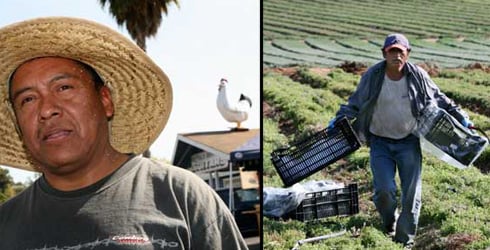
{"points": [[232, 112]]}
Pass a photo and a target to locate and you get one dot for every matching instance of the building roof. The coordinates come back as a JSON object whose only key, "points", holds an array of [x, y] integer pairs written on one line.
{"points": [[220, 143], [247, 151]]}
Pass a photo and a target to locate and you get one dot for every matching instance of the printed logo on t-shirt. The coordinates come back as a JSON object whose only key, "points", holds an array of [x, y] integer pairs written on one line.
{"points": [[118, 240]]}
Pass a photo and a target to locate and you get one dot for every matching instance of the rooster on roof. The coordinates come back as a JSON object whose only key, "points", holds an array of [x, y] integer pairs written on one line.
{"points": [[232, 111]]}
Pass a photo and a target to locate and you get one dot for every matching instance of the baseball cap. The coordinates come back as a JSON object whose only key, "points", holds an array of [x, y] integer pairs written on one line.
{"points": [[396, 41]]}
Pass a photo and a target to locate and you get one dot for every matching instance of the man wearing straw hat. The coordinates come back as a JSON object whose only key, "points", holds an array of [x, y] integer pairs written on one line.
{"points": [[386, 104], [80, 102]]}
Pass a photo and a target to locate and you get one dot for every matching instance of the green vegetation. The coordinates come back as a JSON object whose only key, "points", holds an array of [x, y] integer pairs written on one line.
{"points": [[298, 19], [6, 185], [314, 53], [455, 211], [327, 33]]}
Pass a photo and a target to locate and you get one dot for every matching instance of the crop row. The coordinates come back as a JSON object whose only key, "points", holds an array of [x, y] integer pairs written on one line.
{"points": [[300, 104], [318, 24], [329, 33], [446, 53], [467, 93], [420, 19], [308, 102], [468, 88], [336, 23], [290, 57]]}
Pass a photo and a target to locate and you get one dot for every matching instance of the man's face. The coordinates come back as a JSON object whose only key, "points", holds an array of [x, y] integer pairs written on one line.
{"points": [[396, 58], [61, 116]]}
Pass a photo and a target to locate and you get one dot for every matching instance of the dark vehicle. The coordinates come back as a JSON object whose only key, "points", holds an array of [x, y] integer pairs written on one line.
{"points": [[244, 201]]}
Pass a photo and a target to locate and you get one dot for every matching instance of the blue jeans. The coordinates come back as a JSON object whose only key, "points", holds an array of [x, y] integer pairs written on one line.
{"points": [[387, 156]]}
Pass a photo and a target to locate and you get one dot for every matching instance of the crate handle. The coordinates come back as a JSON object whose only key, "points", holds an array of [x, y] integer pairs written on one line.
{"points": [[480, 130]]}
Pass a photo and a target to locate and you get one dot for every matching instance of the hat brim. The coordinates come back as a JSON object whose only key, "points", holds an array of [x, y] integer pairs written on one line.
{"points": [[141, 91], [399, 46]]}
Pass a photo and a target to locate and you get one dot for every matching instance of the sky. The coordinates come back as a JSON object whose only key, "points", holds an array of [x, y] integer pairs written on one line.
{"points": [[197, 44]]}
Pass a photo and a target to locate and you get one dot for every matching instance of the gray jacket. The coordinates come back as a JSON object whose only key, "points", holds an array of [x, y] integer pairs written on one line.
{"points": [[421, 91]]}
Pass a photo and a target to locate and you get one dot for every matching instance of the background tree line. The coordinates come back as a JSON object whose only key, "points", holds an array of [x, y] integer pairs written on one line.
{"points": [[8, 188]]}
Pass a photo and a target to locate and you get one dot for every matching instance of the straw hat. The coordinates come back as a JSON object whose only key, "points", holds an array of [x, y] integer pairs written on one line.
{"points": [[141, 91]]}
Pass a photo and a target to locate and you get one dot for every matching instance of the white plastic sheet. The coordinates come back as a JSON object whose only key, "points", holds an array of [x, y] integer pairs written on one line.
{"points": [[280, 201]]}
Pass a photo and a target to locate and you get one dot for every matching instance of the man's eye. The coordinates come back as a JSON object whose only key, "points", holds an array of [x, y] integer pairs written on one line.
{"points": [[65, 87], [26, 100]]}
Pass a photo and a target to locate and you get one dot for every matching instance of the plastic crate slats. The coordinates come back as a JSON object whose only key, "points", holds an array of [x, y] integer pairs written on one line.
{"points": [[447, 136], [316, 205], [314, 153]]}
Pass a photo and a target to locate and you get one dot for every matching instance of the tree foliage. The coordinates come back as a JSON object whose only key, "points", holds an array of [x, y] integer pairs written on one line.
{"points": [[142, 18], [6, 185]]}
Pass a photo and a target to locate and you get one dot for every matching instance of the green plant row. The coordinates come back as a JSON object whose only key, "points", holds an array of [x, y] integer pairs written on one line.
{"points": [[337, 57], [273, 32], [332, 52], [301, 105], [467, 45], [275, 57], [462, 86], [459, 13], [273, 60], [469, 88], [272, 139], [330, 26], [347, 54], [314, 29], [419, 19], [294, 27], [305, 59], [316, 23], [485, 42], [436, 15], [455, 201], [449, 48], [457, 52], [341, 24], [466, 93], [294, 53]]}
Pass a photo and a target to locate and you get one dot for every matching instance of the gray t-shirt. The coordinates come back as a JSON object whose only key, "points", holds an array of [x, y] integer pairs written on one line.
{"points": [[143, 205], [392, 117]]}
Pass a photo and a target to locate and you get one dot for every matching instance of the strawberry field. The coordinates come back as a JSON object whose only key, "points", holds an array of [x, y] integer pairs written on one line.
{"points": [[314, 54], [328, 33]]}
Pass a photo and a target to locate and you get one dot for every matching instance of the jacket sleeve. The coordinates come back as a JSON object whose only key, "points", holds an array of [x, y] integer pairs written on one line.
{"points": [[443, 101]]}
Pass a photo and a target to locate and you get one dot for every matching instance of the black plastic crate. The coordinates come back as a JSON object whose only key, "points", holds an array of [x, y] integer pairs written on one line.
{"points": [[336, 202], [309, 156], [452, 138]]}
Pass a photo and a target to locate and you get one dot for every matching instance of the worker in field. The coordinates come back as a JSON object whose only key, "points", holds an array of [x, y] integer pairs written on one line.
{"points": [[386, 104]]}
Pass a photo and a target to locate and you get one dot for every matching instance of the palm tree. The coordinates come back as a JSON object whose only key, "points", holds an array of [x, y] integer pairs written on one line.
{"points": [[141, 17]]}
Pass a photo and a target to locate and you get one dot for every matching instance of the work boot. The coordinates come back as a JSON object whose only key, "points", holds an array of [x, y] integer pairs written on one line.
{"points": [[390, 230], [408, 246]]}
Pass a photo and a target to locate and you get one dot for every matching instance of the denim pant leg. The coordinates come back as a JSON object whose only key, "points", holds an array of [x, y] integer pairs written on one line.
{"points": [[383, 168], [409, 160], [405, 155]]}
